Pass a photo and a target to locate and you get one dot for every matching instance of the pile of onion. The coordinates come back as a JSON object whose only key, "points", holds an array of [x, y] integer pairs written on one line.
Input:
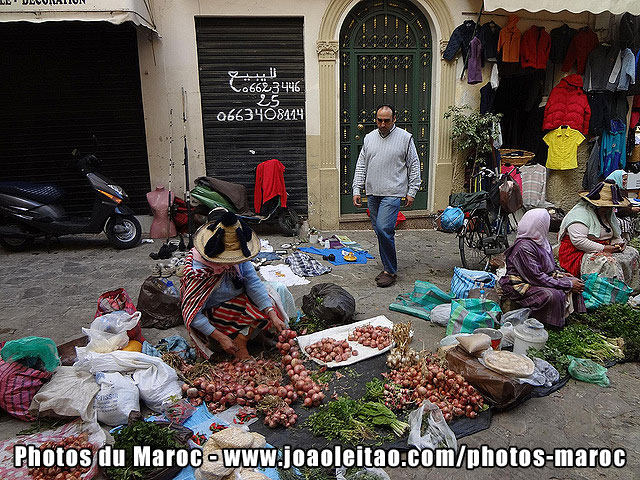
{"points": [[75, 442], [277, 412], [441, 386], [234, 383], [301, 383], [331, 350], [370, 336]]}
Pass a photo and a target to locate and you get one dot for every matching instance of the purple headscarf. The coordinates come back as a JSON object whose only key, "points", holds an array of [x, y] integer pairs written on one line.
{"points": [[534, 225]]}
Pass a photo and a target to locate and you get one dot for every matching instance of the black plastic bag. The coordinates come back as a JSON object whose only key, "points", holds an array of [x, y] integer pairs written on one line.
{"points": [[158, 309], [330, 303]]}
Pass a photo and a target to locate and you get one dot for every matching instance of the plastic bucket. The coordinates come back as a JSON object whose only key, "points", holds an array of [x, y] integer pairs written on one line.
{"points": [[523, 341], [494, 335]]}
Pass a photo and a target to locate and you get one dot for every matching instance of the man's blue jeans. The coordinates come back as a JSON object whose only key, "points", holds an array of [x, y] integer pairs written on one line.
{"points": [[384, 214]]}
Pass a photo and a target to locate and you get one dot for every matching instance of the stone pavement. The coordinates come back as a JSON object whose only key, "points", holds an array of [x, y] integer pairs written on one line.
{"points": [[55, 294]]}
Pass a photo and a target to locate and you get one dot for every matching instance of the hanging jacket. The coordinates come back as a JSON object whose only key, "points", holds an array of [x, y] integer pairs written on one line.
{"points": [[535, 47], [560, 40], [583, 42], [489, 35], [269, 183], [613, 148], [635, 112], [474, 72], [509, 40], [568, 105], [460, 40], [629, 32], [599, 66], [623, 73], [591, 178]]}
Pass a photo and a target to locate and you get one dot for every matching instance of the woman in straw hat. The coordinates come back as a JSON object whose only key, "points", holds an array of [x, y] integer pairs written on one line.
{"points": [[591, 239], [532, 278], [223, 299]]}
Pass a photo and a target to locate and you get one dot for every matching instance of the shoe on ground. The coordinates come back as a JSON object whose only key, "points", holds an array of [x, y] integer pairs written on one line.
{"points": [[156, 270], [379, 275], [168, 270], [386, 280]]}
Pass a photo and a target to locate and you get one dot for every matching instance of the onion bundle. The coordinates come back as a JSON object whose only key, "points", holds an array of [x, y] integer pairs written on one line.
{"points": [[301, 383], [400, 357], [330, 350], [277, 412], [75, 442], [441, 386], [370, 336]]}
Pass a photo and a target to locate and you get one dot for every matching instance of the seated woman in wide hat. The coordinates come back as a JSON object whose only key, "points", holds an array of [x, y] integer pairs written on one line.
{"points": [[223, 299], [591, 238]]}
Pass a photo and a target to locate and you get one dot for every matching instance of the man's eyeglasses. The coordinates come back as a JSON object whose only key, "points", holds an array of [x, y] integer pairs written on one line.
{"points": [[384, 120]]}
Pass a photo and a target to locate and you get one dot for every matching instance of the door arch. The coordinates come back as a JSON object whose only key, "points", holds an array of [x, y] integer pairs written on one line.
{"points": [[385, 55]]}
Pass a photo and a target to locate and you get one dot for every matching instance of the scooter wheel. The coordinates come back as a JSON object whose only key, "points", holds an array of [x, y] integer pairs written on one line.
{"points": [[15, 244], [289, 222], [124, 231]]}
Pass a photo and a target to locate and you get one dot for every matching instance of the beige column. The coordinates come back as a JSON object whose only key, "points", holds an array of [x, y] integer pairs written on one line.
{"points": [[327, 187], [445, 160]]}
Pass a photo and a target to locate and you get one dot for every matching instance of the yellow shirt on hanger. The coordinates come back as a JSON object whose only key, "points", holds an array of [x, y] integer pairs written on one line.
{"points": [[563, 148]]}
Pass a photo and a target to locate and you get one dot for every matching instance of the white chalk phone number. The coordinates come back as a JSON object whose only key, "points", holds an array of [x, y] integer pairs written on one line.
{"points": [[261, 114]]}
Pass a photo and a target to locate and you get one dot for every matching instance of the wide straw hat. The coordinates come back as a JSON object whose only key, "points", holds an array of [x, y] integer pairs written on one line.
{"points": [[226, 241], [606, 194]]}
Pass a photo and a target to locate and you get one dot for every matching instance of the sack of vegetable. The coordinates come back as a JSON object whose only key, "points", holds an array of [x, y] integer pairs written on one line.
{"points": [[588, 371], [156, 435], [330, 303]]}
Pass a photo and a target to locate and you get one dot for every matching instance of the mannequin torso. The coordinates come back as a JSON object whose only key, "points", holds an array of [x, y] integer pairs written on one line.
{"points": [[159, 201]]}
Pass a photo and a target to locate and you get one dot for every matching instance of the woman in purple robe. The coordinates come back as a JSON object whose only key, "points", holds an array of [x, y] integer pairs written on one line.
{"points": [[533, 280]]}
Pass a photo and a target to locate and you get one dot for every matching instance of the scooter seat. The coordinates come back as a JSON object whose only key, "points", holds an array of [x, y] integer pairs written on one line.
{"points": [[40, 192]]}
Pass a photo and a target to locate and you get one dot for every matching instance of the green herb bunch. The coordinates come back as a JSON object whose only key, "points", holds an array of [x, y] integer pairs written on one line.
{"points": [[582, 341], [137, 434]]}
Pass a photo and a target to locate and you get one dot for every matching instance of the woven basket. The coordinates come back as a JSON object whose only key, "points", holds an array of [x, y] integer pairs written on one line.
{"points": [[522, 157]]}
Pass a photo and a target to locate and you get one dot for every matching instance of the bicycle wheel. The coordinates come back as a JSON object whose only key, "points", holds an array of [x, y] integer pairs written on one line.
{"points": [[471, 241]]}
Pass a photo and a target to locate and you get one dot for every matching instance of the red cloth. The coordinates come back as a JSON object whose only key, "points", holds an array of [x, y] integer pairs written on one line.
{"points": [[568, 105], [570, 257], [635, 111], [581, 45], [535, 47], [269, 183], [513, 173]]}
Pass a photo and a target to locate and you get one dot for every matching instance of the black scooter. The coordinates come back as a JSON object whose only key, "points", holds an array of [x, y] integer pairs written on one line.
{"points": [[32, 210]]}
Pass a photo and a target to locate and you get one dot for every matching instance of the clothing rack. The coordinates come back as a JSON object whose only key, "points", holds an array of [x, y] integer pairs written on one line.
{"points": [[535, 19]]}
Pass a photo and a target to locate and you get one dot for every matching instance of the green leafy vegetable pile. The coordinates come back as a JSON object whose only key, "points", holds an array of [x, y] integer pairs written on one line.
{"points": [[617, 320], [136, 434], [582, 341], [351, 421], [555, 357], [375, 390]]}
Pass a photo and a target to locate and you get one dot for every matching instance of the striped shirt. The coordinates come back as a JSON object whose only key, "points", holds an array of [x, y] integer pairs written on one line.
{"points": [[390, 165]]}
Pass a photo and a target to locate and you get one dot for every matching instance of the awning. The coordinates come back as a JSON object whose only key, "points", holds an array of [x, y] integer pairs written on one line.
{"points": [[575, 6], [118, 11]]}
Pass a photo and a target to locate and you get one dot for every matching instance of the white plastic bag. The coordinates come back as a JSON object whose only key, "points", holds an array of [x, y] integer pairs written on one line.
{"points": [[69, 393], [515, 317], [508, 334], [437, 434], [117, 398], [440, 314], [108, 333], [156, 380]]}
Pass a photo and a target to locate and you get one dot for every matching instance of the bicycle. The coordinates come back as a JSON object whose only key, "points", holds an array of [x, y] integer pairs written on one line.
{"points": [[486, 226]]}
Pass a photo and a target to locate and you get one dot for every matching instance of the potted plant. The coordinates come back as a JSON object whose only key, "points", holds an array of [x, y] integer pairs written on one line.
{"points": [[473, 132]]}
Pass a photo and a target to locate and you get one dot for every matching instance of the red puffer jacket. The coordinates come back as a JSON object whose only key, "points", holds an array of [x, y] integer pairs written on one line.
{"points": [[568, 105]]}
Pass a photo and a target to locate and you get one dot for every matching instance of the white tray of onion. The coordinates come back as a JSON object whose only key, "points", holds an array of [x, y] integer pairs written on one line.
{"points": [[348, 344]]}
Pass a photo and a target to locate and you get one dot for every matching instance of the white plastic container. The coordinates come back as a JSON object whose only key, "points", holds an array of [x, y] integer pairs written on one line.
{"points": [[529, 334]]}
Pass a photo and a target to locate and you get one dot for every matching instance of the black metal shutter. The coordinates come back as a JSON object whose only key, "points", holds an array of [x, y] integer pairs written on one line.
{"points": [[270, 127], [61, 83]]}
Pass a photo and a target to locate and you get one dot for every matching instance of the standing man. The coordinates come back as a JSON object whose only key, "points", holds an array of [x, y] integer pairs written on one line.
{"points": [[389, 163]]}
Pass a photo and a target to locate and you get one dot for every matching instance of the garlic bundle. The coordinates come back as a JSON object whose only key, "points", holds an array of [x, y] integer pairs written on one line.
{"points": [[400, 357]]}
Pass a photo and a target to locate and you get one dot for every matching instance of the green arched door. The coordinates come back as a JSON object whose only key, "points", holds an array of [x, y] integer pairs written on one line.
{"points": [[385, 57]]}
